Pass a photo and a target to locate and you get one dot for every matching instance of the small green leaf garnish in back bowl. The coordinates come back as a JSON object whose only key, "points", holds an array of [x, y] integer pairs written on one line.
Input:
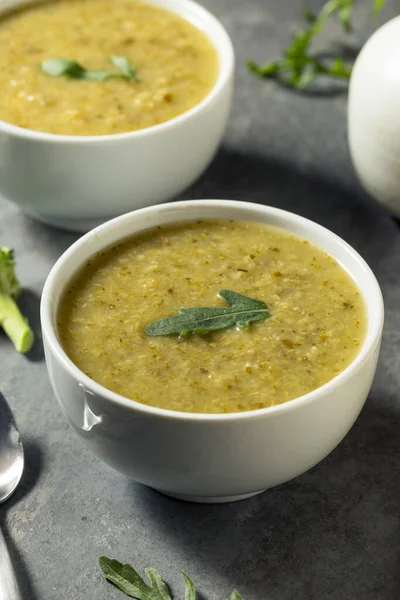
{"points": [[64, 67], [242, 310], [56, 67], [123, 64]]}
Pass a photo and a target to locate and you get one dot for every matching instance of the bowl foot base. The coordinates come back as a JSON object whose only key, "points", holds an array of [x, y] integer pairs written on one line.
{"points": [[209, 499], [75, 225]]}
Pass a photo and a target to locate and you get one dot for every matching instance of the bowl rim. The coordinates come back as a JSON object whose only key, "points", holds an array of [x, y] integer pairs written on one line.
{"points": [[220, 40], [369, 344]]}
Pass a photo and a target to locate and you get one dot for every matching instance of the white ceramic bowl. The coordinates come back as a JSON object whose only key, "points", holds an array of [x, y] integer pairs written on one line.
{"points": [[78, 182], [203, 457], [374, 117]]}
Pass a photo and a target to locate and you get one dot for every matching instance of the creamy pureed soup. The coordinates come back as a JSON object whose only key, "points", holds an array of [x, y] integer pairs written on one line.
{"points": [[175, 62], [318, 318]]}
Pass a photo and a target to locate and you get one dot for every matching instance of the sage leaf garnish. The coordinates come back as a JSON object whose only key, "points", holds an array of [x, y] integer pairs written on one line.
{"points": [[242, 310], [130, 582], [64, 67]]}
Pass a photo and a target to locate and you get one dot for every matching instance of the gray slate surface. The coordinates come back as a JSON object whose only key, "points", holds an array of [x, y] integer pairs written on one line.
{"points": [[332, 533]]}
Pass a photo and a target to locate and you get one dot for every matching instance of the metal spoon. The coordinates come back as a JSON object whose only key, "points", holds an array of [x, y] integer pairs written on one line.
{"points": [[11, 467]]}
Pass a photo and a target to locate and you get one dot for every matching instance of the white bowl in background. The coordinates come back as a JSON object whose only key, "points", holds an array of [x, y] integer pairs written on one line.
{"points": [[78, 182], [210, 457], [374, 117]]}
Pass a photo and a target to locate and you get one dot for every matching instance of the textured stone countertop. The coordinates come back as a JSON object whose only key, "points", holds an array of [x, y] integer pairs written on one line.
{"points": [[332, 533]]}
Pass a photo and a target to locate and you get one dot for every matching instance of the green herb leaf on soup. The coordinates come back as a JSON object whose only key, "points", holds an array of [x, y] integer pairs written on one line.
{"points": [[64, 67], [101, 75], [123, 64], [242, 310], [57, 67]]}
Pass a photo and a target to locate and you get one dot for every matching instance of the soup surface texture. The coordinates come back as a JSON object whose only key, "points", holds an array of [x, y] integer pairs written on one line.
{"points": [[175, 62], [317, 324]]}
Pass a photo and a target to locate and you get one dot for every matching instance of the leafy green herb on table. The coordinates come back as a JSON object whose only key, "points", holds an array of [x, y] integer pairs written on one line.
{"points": [[242, 310], [298, 66], [131, 583], [190, 590], [64, 67], [11, 319]]}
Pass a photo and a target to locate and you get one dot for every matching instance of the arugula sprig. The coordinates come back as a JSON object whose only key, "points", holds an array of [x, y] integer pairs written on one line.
{"points": [[128, 580], [298, 67], [242, 310], [378, 5], [123, 64], [64, 67]]}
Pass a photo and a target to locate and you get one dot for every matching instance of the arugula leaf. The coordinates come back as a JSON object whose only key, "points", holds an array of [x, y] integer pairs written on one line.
{"points": [[129, 581], [297, 66], [158, 584], [242, 310], [377, 7], [102, 75], [308, 15], [123, 64], [64, 67], [345, 16], [190, 590]]}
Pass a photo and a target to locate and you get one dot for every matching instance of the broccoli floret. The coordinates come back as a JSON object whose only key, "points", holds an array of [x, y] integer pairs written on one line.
{"points": [[14, 324]]}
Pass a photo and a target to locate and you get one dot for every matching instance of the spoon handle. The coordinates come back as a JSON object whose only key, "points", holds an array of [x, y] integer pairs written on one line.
{"points": [[8, 584]]}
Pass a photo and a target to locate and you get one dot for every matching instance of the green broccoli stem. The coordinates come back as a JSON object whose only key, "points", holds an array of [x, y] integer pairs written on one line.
{"points": [[14, 324]]}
